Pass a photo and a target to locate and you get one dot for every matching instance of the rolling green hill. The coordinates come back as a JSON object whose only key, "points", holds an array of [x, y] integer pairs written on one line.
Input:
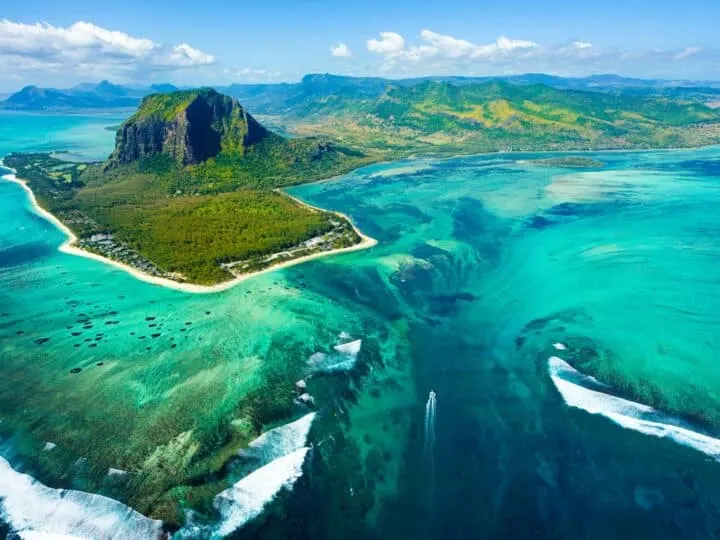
{"points": [[188, 192], [496, 115], [197, 161]]}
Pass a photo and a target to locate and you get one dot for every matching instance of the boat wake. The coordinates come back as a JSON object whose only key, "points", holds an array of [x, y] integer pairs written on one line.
{"points": [[430, 407], [587, 393]]}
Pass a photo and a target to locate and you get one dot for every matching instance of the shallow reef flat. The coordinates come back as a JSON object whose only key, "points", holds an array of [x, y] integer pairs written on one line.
{"points": [[485, 268]]}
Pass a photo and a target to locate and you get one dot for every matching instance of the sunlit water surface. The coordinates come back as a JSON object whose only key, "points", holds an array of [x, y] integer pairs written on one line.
{"points": [[567, 322]]}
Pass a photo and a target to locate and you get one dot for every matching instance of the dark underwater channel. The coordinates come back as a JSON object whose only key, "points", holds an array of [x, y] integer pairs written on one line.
{"points": [[484, 265]]}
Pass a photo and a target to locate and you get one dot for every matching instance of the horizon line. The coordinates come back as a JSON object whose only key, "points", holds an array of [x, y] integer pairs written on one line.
{"points": [[149, 84]]}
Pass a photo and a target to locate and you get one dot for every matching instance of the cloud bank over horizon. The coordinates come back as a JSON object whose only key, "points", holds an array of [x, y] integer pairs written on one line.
{"points": [[437, 53], [50, 55], [84, 49]]}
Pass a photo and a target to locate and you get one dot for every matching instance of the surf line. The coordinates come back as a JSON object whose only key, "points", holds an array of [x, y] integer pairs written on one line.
{"points": [[587, 393], [32, 509]]}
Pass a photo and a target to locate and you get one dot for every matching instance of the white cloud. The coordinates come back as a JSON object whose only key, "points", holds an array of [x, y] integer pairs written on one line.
{"points": [[185, 55], [445, 45], [392, 47], [503, 46], [341, 50], [42, 39], [248, 74], [85, 49], [687, 53], [389, 44], [244, 72], [444, 54]]}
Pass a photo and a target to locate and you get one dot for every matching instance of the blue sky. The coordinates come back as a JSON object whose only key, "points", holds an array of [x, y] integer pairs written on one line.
{"points": [[52, 43]]}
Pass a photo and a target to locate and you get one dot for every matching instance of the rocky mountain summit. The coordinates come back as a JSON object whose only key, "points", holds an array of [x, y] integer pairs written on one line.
{"points": [[190, 126]]}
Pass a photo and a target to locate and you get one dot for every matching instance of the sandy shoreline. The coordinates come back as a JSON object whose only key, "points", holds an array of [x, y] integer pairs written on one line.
{"points": [[70, 247], [366, 242]]}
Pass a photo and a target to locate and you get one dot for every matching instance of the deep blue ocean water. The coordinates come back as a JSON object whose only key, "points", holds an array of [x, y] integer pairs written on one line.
{"points": [[487, 268]]}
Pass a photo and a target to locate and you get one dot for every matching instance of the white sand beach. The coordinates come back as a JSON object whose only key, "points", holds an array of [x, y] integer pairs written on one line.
{"points": [[70, 247]]}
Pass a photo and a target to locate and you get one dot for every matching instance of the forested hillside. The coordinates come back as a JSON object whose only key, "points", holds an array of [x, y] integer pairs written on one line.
{"points": [[189, 192]]}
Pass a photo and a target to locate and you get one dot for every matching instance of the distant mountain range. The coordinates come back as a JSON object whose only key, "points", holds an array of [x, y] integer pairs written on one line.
{"points": [[193, 169], [393, 118], [275, 98], [482, 116], [104, 95]]}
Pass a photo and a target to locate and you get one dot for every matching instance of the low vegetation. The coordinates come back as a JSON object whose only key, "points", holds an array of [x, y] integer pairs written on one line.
{"points": [[570, 162], [204, 222], [189, 192], [444, 118]]}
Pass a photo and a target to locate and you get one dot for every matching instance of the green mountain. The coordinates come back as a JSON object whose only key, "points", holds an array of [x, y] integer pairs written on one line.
{"points": [[283, 98], [200, 141], [188, 193], [34, 98], [189, 189], [497, 115], [278, 98], [190, 127]]}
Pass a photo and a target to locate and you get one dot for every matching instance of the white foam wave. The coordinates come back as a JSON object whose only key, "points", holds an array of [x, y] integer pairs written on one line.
{"points": [[626, 413], [317, 358], [32, 535], [344, 361], [345, 365], [280, 441], [38, 512], [351, 348], [246, 499], [35, 511], [278, 456]]}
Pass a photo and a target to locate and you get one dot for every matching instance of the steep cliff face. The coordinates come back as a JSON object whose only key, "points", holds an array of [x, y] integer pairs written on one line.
{"points": [[190, 126]]}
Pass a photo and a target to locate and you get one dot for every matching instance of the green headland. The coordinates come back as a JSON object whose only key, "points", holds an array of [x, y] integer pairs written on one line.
{"points": [[190, 192]]}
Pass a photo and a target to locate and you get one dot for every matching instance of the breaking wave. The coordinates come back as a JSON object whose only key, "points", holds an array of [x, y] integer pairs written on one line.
{"points": [[587, 393], [344, 360], [351, 349], [277, 457], [280, 441], [32, 535], [34, 511], [246, 499]]}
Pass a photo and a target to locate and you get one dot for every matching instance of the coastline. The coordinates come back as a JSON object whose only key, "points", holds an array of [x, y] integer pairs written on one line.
{"points": [[69, 247], [366, 242]]}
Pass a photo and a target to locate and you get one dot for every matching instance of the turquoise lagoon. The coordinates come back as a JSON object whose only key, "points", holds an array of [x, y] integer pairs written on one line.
{"points": [[567, 321]]}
